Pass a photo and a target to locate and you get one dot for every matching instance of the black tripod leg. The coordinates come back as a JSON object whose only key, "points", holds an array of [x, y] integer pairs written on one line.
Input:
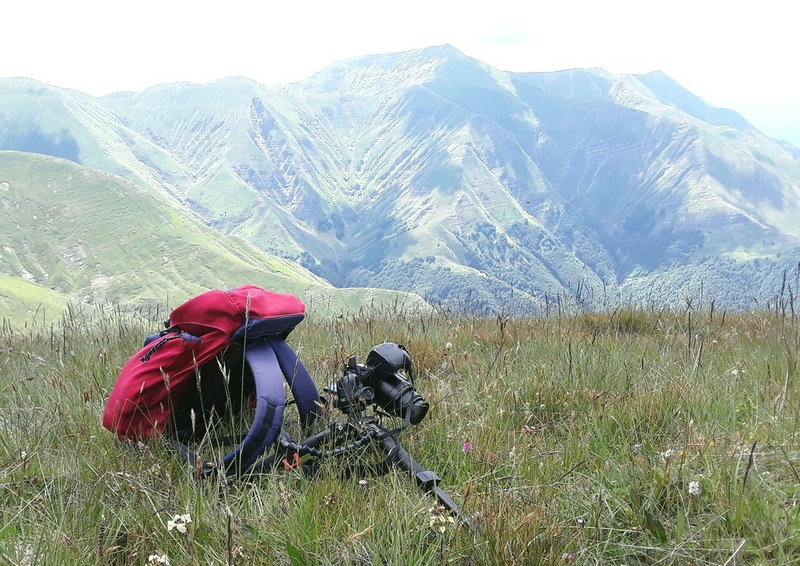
{"points": [[427, 480], [291, 454]]}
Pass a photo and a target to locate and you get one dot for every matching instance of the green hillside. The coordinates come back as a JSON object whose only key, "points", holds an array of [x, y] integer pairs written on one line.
{"points": [[431, 172], [23, 303], [77, 233]]}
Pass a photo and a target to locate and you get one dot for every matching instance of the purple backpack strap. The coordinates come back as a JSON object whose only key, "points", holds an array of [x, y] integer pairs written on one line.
{"points": [[296, 375], [272, 363], [270, 405]]}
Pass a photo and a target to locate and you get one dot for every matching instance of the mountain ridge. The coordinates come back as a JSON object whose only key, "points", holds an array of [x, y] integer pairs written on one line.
{"points": [[433, 172]]}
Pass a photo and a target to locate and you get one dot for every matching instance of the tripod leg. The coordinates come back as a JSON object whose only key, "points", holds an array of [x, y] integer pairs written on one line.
{"points": [[426, 479], [289, 451]]}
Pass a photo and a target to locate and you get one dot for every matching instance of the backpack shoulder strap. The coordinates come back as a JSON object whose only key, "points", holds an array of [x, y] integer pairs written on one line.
{"points": [[299, 380], [270, 404], [272, 362]]}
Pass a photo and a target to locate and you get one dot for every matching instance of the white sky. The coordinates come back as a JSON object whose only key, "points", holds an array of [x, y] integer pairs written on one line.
{"points": [[737, 54]]}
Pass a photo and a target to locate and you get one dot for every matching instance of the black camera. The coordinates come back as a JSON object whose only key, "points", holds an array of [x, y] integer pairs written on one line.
{"points": [[381, 382]]}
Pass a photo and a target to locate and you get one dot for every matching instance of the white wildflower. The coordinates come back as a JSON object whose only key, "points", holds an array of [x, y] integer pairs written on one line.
{"points": [[155, 559], [439, 519], [179, 523], [695, 489]]}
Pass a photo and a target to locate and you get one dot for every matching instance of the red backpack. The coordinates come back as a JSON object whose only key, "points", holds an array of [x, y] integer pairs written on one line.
{"points": [[175, 384]]}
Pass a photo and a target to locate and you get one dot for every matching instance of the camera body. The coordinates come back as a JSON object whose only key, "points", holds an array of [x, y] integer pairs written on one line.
{"points": [[380, 381]]}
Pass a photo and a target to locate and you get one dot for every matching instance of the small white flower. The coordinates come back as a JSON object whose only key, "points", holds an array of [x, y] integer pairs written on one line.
{"points": [[439, 520], [362, 483], [448, 346], [179, 523], [155, 559], [695, 489]]}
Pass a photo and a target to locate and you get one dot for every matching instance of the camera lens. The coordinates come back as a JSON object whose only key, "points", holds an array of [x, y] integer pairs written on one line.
{"points": [[419, 409], [398, 397]]}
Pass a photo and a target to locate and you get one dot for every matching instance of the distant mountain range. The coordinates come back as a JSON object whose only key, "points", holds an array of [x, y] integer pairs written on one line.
{"points": [[425, 171]]}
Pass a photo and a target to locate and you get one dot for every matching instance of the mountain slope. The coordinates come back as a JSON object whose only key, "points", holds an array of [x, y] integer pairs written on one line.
{"points": [[73, 228], [97, 238], [23, 303], [641, 173], [429, 171], [38, 118], [624, 176]]}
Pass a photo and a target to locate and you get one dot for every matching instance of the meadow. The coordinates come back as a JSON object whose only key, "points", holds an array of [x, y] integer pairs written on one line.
{"points": [[629, 436]]}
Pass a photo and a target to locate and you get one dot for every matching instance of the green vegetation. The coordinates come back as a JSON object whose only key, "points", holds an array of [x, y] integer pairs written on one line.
{"points": [[94, 237], [25, 303], [625, 437], [504, 184], [81, 235]]}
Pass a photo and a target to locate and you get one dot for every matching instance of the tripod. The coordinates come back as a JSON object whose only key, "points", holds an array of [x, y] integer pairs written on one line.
{"points": [[365, 393], [344, 439]]}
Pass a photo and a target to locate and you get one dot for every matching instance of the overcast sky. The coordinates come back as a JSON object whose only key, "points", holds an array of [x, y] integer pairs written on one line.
{"points": [[736, 54]]}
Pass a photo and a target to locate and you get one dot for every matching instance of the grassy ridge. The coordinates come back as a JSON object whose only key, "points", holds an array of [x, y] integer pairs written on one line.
{"points": [[90, 235], [22, 302], [628, 437]]}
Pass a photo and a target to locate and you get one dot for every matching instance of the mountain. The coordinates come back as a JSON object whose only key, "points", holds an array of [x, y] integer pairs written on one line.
{"points": [[432, 172], [75, 233]]}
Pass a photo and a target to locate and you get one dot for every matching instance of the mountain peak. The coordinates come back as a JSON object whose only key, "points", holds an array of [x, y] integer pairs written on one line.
{"points": [[373, 74]]}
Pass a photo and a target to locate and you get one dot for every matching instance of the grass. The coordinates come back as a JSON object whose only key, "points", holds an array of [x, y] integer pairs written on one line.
{"points": [[26, 303], [571, 439]]}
